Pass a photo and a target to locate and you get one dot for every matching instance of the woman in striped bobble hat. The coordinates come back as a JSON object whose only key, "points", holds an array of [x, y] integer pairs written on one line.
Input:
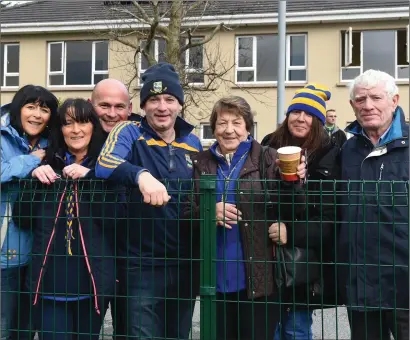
{"points": [[315, 228]]}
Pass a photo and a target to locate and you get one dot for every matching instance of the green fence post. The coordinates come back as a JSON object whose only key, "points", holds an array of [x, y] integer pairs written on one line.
{"points": [[208, 255]]}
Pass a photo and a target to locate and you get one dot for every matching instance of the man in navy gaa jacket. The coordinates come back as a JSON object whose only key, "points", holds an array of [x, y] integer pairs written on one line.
{"points": [[152, 158], [374, 235]]}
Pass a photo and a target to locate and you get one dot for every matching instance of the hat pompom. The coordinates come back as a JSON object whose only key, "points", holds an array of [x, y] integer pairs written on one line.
{"points": [[322, 91]]}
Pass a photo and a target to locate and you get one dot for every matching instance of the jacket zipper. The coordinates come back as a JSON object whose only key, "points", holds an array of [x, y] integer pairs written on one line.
{"points": [[85, 252], [48, 248], [381, 171]]}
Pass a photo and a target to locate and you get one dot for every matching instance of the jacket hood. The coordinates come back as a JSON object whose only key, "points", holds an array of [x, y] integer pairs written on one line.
{"points": [[5, 109], [6, 127]]}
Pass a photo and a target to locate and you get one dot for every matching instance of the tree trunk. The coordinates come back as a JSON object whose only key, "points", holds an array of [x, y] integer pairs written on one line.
{"points": [[173, 45]]}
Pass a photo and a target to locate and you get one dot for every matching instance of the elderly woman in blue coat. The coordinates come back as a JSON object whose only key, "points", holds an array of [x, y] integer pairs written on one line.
{"points": [[24, 132]]}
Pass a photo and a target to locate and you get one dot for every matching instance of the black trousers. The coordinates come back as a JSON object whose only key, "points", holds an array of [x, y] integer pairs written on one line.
{"points": [[239, 318], [377, 325]]}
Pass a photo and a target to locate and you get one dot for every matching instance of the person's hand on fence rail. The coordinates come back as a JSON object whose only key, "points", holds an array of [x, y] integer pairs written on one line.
{"points": [[153, 191], [227, 214], [45, 174], [75, 171], [278, 234], [40, 153]]}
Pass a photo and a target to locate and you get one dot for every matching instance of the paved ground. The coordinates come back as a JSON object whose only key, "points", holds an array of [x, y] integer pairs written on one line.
{"points": [[324, 325]]}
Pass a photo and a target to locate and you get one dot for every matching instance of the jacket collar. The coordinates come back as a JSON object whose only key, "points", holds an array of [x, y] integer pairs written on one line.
{"points": [[335, 128], [182, 128], [398, 129], [231, 158], [207, 164]]}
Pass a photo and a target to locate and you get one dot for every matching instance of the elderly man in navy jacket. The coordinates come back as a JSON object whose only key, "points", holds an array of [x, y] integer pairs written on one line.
{"points": [[156, 270], [374, 239]]}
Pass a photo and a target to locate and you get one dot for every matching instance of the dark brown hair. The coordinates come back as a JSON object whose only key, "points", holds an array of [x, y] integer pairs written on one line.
{"points": [[82, 111], [315, 141], [233, 104]]}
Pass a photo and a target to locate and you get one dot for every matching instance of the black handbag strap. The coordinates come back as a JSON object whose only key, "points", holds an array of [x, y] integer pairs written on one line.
{"points": [[262, 168]]}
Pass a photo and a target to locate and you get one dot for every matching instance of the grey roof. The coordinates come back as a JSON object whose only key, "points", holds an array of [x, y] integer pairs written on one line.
{"points": [[62, 10]]}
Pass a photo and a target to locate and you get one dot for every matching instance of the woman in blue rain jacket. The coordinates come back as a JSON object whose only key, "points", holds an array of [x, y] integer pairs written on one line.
{"points": [[24, 131]]}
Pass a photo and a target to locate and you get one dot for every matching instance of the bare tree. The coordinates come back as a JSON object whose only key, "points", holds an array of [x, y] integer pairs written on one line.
{"points": [[155, 31]]}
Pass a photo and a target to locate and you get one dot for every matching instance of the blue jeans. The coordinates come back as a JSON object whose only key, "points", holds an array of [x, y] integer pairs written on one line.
{"points": [[15, 305], [295, 325], [159, 301]]}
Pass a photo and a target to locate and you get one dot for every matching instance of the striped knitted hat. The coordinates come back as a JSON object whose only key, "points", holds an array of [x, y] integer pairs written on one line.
{"points": [[311, 99]]}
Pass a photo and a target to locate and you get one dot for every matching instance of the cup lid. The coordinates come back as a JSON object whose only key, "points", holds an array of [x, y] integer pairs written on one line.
{"points": [[289, 150]]}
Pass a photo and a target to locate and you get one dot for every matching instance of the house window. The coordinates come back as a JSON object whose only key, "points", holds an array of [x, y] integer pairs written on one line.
{"points": [[383, 50], [157, 49], [191, 58], [10, 66], [257, 58], [77, 63], [207, 136]]}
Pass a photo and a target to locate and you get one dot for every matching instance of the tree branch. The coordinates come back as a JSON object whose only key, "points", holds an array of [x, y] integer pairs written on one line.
{"points": [[203, 41], [126, 42], [126, 11], [196, 5], [150, 40], [157, 19], [142, 11]]}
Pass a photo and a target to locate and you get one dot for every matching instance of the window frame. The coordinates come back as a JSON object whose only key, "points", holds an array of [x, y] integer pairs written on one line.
{"points": [[254, 60], [295, 68], [63, 71], [201, 134], [156, 55], [209, 141], [361, 56], [192, 70], [9, 74]]}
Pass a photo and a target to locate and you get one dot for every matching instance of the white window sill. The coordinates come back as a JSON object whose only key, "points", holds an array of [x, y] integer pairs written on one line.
{"points": [[9, 88], [345, 83], [265, 85], [197, 85], [71, 88]]}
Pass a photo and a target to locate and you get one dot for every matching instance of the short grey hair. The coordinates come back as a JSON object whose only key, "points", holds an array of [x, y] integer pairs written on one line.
{"points": [[373, 78]]}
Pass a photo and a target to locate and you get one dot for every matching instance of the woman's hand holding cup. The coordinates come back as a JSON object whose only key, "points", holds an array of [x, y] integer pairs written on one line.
{"points": [[291, 164], [301, 169]]}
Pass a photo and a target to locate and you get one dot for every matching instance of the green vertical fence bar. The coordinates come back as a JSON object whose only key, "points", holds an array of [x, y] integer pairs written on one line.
{"points": [[208, 254]]}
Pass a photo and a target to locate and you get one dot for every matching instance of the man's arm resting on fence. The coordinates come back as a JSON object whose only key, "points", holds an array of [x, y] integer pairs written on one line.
{"points": [[113, 162]]}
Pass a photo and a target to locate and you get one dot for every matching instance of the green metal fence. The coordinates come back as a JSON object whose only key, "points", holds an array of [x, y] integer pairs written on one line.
{"points": [[333, 218]]}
